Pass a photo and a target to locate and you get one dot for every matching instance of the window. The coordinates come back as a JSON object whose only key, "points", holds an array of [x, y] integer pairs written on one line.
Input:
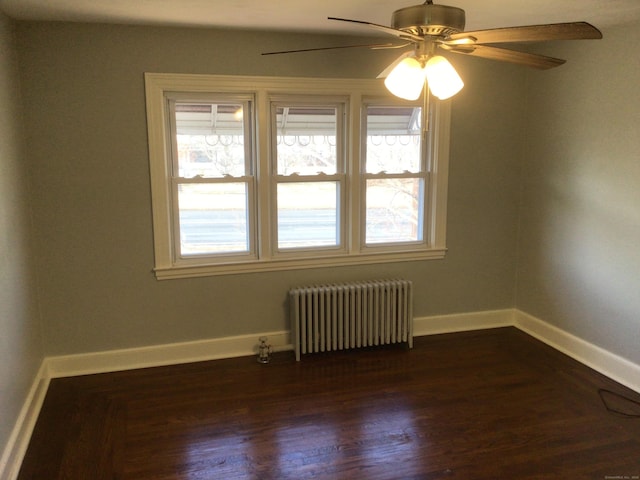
{"points": [[309, 177], [212, 184], [262, 174], [395, 175]]}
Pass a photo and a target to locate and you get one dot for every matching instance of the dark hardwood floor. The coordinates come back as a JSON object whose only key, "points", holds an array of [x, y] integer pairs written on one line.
{"points": [[493, 404]]}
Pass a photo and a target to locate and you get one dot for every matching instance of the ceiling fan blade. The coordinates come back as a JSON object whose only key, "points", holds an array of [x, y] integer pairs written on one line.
{"points": [[368, 45], [533, 60], [390, 46], [531, 33], [391, 31], [385, 73]]}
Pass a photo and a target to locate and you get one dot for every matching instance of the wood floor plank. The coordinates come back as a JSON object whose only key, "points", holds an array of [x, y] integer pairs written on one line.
{"points": [[478, 405]]}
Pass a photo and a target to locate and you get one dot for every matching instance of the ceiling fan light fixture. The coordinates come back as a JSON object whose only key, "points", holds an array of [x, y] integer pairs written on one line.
{"points": [[444, 81], [406, 80]]}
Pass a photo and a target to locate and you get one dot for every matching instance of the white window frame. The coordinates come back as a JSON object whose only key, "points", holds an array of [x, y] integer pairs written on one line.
{"points": [[249, 178], [159, 87]]}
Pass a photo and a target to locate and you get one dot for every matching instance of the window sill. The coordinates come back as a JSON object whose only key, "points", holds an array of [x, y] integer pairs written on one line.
{"points": [[190, 271]]}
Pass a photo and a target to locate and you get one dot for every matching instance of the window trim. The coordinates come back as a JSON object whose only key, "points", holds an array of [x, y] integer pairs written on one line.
{"points": [[158, 85]]}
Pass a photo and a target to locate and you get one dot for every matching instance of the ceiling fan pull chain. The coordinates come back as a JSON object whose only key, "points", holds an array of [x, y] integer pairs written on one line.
{"points": [[425, 110]]}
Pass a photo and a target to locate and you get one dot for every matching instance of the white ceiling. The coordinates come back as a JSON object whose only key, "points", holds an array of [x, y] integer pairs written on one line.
{"points": [[311, 15]]}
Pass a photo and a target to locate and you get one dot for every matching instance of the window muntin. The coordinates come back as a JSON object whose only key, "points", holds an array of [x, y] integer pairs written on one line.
{"points": [[395, 175], [258, 186]]}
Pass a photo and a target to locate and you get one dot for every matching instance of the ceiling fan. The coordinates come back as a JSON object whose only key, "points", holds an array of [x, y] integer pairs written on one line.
{"points": [[428, 27]]}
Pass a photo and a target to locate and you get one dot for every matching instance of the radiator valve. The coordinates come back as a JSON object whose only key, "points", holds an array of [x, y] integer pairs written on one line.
{"points": [[264, 351]]}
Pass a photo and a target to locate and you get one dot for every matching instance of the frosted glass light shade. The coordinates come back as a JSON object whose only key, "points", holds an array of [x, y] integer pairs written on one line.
{"points": [[406, 79], [444, 81]]}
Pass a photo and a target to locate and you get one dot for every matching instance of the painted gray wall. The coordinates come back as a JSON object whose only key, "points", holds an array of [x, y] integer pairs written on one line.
{"points": [[87, 147], [21, 349], [579, 265]]}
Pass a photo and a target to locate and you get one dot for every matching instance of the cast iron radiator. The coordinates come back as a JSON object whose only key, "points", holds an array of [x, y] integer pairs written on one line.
{"points": [[351, 315]]}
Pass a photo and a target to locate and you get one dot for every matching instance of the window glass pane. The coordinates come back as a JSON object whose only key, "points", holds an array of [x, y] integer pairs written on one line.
{"points": [[394, 210], [393, 139], [213, 218], [306, 140], [210, 140], [308, 214]]}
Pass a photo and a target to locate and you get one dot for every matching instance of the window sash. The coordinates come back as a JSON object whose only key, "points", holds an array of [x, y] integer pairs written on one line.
{"points": [[306, 242], [250, 217], [419, 172], [337, 127], [398, 218], [250, 253]]}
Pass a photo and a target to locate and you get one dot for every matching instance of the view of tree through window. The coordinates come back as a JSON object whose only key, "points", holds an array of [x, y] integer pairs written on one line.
{"points": [[394, 175]]}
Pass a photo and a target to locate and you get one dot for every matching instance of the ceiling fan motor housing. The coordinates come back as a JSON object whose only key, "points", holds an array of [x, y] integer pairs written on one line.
{"points": [[429, 19]]}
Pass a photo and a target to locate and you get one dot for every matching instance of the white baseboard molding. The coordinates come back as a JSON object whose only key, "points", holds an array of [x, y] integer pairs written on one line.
{"points": [[609, 364], [16, 447], [462, 322], [159, 355], [244, 345]]}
